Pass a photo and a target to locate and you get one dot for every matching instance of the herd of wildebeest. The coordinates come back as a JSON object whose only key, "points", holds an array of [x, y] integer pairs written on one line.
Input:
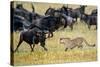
{"points": [[34, 26]]}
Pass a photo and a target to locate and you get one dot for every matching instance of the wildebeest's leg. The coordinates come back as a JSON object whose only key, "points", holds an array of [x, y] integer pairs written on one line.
{"points": [[51, 34], [76, 19], [43, 45], [71, 26], [31, 47], [65, 24], [66, 49], [18, 45], [88, 23], [96, 27], [89, 26], [20, 41], [33, 39], [82, 19]]}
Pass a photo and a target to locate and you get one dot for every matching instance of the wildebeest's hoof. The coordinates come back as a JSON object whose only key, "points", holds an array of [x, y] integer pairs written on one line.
{"points": [[32, 50], [46, 49]]}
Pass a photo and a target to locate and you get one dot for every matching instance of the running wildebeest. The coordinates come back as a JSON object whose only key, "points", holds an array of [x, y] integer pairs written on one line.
{"points": [[50, 11], [33, 36], [22, 18], [64, 9], [94, 12], [48, 23], [20, 23], [19, 10], [54, 20], [56, 13], [64, 19], [67, 20], [74, 13], [90, 20], [18, 19]]}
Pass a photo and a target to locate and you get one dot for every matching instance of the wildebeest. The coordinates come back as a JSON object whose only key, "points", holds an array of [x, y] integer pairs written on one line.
{"points": [[50, 11], [20, 23], [69, 15], [94, 12], [92, 21], [22, 18], [21, 11], [89, 20], [48, 23], [32, 36], [18, 17], [64, 9], [64, 19], [56, 13], [74, 13]]}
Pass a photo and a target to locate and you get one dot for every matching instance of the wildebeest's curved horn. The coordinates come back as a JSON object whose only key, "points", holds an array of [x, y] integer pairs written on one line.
{"points": [[33, 9], [19, 6], [83, 5]]}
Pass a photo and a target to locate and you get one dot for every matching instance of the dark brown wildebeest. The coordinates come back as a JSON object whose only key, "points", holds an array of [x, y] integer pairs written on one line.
{"points": [[89, 20], [32, 37], [94, 12], [74, 13], [21, 18], [50, 23]]}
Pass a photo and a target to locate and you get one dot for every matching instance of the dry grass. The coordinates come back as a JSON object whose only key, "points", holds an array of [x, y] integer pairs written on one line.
{"points": [[56, 53]]}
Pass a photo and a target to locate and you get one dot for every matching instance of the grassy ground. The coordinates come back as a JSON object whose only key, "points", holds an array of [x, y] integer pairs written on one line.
{"points": [[56, 53]]}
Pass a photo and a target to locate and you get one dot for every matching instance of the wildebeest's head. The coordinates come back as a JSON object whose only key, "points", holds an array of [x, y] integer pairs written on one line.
{"points": [[94, 12], [19, 6], [50, 11], [42, 36]]}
